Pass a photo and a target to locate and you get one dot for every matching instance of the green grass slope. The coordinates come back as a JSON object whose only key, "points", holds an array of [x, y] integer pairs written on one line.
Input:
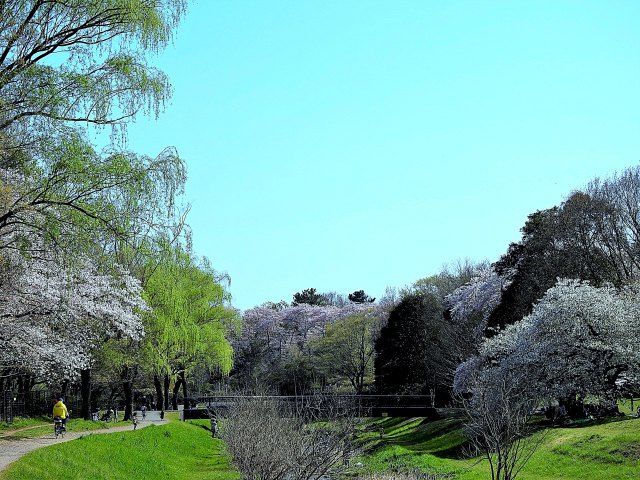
{"points": [[173, 451], [186, 451], [594, 452]]}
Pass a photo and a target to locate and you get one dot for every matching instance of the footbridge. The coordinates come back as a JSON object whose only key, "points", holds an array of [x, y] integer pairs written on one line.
{"points": [[331, 405]]}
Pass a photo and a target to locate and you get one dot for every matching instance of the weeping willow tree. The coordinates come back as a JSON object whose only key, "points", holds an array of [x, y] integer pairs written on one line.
{"points": [[188, 323], [64, 66], [81, 61]]}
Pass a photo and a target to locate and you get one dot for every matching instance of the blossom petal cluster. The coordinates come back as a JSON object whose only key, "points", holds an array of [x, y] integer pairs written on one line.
{"points": [[579, 341], [54, 314]]}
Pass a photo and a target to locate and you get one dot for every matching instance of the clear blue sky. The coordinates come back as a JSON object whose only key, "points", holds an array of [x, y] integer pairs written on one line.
{"points": [[349, 145]]}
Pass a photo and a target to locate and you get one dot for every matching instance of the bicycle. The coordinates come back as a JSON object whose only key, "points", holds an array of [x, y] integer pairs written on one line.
{"points": [[109, 416], [58, 427]]}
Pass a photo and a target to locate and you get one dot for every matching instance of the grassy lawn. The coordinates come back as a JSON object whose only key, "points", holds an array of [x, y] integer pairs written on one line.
{"points": [[626, 404], [593, 452], [185, 450], [40, 426], [173, 451], [172, 415], [21, 423]]}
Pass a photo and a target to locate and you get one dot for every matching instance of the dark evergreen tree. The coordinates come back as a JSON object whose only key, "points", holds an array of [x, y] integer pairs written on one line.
{"points": [[560, 242], [360, 297], [308, 296], [410, 348]]}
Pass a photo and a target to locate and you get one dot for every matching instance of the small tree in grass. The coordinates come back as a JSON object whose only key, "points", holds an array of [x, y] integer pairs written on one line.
{"points": [[498, 412], [267, 443]]}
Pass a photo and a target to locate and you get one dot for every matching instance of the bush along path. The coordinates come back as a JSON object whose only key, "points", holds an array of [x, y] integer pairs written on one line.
{"points": [[11, 448]]}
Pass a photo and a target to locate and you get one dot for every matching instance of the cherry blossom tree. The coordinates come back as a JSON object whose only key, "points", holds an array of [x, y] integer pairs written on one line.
{"points": [[478, 297], [579, 341], [468, 309], [54, 315], [63, 66], [592, 235], [498, 411], [271, 337]]}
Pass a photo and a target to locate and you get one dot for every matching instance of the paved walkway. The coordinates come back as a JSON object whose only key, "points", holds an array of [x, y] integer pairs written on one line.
{"points": [[12, 450]]}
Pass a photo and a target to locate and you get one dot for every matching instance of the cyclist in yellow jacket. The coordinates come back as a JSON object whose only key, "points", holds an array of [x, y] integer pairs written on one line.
{"points": [[60, 410]]}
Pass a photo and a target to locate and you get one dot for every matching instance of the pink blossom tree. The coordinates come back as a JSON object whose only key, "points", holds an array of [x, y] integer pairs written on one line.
{"points": [[274, 340], [56, 315]]}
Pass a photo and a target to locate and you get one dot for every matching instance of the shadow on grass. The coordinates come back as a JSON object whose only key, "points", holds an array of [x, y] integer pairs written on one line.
{"points": [[200, 425], [541, 422], [441, 438]]}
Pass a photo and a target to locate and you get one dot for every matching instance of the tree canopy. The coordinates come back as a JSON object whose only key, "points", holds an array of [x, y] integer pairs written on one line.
{"points": [[81, 61], [308, 296], [190, 318], [347, 349], [360, 297]]}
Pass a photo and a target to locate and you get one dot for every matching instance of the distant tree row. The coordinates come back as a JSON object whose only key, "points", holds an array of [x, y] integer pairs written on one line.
{"points": [[566, 312], [450, 329], [310, 296], [333, 342]]}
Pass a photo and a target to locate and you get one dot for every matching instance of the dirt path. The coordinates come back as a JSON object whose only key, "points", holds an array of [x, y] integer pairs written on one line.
{"points": [[11, 433], [12, 450]]}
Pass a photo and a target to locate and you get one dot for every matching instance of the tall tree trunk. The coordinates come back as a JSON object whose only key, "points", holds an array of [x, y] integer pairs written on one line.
{"points": [[128, 399], [112, 396], [128, 394], [85, 392], [158, 385], [184, 388], [176, 389], [96, 394], [29, 382], [166, 392], [64, 388]]}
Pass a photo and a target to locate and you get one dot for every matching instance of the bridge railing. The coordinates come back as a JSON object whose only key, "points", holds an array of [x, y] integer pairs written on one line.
{"points": [[332, 405]]}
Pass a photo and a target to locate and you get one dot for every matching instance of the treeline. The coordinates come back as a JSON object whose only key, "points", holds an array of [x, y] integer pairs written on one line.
{"points": [[555, 317], [99, 287], [333, 342]]}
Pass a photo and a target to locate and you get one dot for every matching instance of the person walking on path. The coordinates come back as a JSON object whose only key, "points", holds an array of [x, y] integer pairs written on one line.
{"points": [[214, 426]]}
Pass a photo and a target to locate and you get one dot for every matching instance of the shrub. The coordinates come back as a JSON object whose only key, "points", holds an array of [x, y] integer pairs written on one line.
{"points": [[267, 442]]}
